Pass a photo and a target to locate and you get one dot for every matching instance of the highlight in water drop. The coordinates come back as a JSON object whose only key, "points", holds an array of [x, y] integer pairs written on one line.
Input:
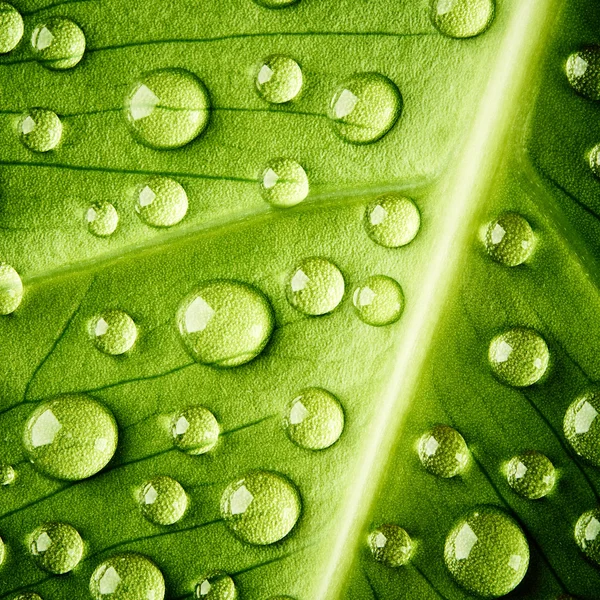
{"points": [[161, 202], [58, 43], [7, 474], [279, 79], [378, 300], [11, 27], [114, 332], [195, 430], [56, 547], [390, 545], [102, 219], [509, 239], [443, 451], [531, 475], [284, 183], [11, 289], [40, 130], [163, 501], [392, 220], [582, 426], [216, 586], [587, 534], [583, 72], [462, 18]]}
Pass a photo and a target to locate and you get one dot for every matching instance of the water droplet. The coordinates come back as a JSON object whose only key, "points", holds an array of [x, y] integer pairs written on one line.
{"points": [[195, 430], [378, 300], [582, 426], [390, 545], [284, 183], [40, 130], [113, 332], [27, 596], [276, 3], [70, 437], [279, 79], [587, 534], [443, 451], [11, 289], [315, 419], [583, 72], [167, 108], [7, 474], [316, 287], [102, 219], [519, 357], [594, 160], [531, 475], [462, 18], [261, 507], [2, 551], [365, 107], [127, 577], [163, 500], [161, 202], [392, 221], [509, 239], [487, 553], [11, 27], [56, 547], [58, 43], [225, 323], [216, 586]]}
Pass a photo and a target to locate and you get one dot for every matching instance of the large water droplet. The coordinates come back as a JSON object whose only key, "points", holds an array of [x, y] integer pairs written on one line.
{"points": [[7, 474], [316, 286], [443, 451], [378, 300], [102, 219], [163, 500], [127, 577], [587, 534], [487, 553], [365, 107], [284, 183], [225, 323], [509, 239], [216, 586], [56, 547], [462, 18], [58, 43], [583, 72], [40, 130], [11, 289], [390, 545], [161, 202], [11, 27], [582, 426], [531, 475], [279, 79], [392, 220], [315, 419], [167, 108], [114, 332], [70, 437], [261, 507], [195, 430], [519, 357]]}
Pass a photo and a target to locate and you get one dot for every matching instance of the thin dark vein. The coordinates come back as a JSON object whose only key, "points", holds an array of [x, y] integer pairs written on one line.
{"points": [[247, 425], [574, 198], [265, 563], [371, 586], [24, 588], [428, 581]]}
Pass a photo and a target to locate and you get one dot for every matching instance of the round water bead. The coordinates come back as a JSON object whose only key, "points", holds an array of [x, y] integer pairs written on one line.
{"points": [[161, 202], [392, 220], [11, 289], [390, 545], [195, 430], [583, 72], [114, 332], [11, 27], [509, 239], [27, 596], [462, 18], [163, 500], [582, 426], [7, 474], [102, 219], [56, 547], [216, 586], [587, 534], [284, 183], [58, 43], [443, 451], [531, 475], [40, 130], [378, 300], [2, 551], [279, 79]]}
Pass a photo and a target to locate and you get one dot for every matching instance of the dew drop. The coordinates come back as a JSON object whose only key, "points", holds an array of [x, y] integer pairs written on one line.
{"points": [[519, 357], [378, 300], [40, 130], [167, 108], [365, 107], [56, 547], [276, 3], [531, 475], [216, 586], [583, 72], [195, 430], [70, 437], [390, 545], [7, 474], [582, 426], [392, 220], [462, 18], [261, 507], [279, 79], [113, 332], [509, 240], [11, 289], [27, 596], [225, 323], [102, 219], [443, 451], [163, 501], [127, 577], [161, 202], [11, 27], [594, 160], [487, 553], [316, 287], [2, 551], [315, 419], [587, 534], [58, 43], [284, 183]]}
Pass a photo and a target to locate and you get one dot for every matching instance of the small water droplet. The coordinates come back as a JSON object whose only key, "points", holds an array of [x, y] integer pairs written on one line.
{"points": [[225, 323], [487, 553], [70, 437], [365, 107], [390, 545], [27, 596], [167, 108], [392, 220], [127, 577], [163, 500], [583, 72], [11, 289], [161, 202], [195, 430], [531, 475], [378, 300], [519, 357], [276, 3], [261, 507], [40, 130], [587, 534], [58, 43], [284, 183], [594, 160], [7, 474], [114, 332], [279, 79], [315, 419], [443, 451], [2, 551], [462, 18], [582, 426], [509, 239], [216, 586], [56, 547], [11, 27], [102, 219], [316, 287]]}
